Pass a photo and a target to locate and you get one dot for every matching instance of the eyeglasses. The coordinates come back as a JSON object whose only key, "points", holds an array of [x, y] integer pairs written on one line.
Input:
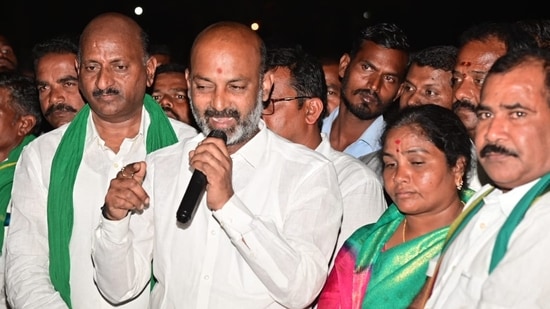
{"points": [[269, 105]]}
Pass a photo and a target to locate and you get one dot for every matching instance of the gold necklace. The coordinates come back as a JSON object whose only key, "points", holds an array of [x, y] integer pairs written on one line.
{"points": [[404, 229]]}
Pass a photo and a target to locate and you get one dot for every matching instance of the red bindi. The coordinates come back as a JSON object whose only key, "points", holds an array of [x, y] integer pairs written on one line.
{"points": [[397, 142], [219, 70], [467, 63]]}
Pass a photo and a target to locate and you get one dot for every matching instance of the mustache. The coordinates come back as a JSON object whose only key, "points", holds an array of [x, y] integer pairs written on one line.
{"points": [[464, 104], [233, 113], [60, 107], [365, 92], [492, 148], [100, 92]]}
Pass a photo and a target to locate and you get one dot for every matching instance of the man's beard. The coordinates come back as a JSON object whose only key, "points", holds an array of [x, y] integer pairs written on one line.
{"points": [[244, 129], [362, 110]]}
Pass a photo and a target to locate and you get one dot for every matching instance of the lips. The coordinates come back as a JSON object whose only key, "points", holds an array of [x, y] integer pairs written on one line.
{"points": [[222, 122], [367, 98]]}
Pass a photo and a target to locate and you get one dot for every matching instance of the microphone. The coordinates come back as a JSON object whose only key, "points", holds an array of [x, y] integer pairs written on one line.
{"points": [[195, 189]]}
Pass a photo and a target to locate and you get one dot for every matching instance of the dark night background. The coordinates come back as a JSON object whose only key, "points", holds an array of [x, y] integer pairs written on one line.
{"points": [[322, 27]]}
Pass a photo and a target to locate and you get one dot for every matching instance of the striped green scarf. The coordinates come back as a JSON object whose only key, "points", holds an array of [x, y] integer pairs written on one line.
{"points": [[503, 237], [7, 168], [64, 169]]}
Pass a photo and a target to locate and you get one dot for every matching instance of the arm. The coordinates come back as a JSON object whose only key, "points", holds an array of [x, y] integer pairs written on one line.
{"points": [[291, 262], [28, 282], [123, 242]]}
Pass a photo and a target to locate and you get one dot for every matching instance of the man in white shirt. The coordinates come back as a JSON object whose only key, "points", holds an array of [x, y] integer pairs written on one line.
{"points": [[62, 176], [19, 122], [371, 72], [497, 258], [265, 229], [295, 111]]}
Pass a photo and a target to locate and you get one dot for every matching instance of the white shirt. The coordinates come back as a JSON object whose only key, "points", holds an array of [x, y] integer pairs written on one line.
{"points": [[520, 280], [362, 193], [268, 247], [27, 269]]}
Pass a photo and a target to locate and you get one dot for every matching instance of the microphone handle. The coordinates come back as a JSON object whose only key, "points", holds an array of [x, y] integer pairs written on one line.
{"points": [[195, 188], [192, 196]]}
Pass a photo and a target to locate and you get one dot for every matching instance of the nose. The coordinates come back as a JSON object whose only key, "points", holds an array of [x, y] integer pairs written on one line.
{"points": [[467, 91], [400, 174], [104, 78], [220, 101], [492, 129], [414, 99], [165, 102], [56, 96], [373, 82]]}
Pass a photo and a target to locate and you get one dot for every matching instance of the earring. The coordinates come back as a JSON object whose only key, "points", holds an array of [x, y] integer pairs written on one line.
{"points": [[459, 186]]}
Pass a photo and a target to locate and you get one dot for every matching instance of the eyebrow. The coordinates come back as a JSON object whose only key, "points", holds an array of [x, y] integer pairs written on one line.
{"points": [[482, 107], [409, 151]]}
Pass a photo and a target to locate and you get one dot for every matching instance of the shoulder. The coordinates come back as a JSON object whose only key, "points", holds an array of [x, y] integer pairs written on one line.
{"points": [[48, 141], [346, 164], [182, 129], [289, 151]]}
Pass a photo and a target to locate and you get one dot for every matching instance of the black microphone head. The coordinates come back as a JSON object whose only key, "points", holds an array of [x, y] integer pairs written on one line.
{"points": [[219, 134]]}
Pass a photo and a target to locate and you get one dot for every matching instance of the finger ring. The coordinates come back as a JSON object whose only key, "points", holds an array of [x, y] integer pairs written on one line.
{"points": [[124, 175]]}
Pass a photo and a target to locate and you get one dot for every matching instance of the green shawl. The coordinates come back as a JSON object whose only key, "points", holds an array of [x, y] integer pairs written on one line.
{"points": [[7, 168], [64, 170]]}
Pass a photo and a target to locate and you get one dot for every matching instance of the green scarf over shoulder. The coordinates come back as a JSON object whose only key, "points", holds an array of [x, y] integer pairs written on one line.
{"points": [[7, 168], [65, 165]]}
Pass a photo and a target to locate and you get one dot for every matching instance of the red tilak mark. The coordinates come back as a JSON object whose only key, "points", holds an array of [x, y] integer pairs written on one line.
{"points": [[397, 142], [466, 63], [219, 70]]}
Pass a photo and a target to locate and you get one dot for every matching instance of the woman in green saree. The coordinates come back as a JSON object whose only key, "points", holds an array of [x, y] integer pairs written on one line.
{"points": [[426, 153]]}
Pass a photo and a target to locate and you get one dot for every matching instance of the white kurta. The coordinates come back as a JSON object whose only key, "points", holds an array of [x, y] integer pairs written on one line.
{"points": [[362, 193], [27, 265], [268, 247], [520, 280]]}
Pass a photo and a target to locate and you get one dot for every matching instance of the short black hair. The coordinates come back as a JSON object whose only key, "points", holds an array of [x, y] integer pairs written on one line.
{"points": [[23, 95]]}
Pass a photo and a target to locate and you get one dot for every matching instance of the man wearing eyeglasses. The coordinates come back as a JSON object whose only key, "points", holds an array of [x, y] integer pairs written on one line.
{"points": [[372, 73], [295, 110]]}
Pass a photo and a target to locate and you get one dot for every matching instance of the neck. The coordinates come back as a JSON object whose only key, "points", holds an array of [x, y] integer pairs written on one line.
{"points": [[114, 133], [347, 128], [418, 225], [5, 152]]}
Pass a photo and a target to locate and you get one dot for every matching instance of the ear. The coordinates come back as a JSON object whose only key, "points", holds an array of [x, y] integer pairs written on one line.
{"points": [[344, 62], [267, 83], [459, 170], [399, 92], [77, 66], [313, 109], [26, 124], [187, 73], [150, 68]]}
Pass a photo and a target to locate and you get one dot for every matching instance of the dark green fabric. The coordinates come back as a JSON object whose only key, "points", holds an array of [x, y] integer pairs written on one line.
{"points": [[65, 165], [7, 168]]}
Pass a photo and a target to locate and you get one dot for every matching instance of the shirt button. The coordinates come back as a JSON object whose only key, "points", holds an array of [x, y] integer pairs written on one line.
{"points": [[116, 166], [213, 232], [482, 226], [206, 277]]}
